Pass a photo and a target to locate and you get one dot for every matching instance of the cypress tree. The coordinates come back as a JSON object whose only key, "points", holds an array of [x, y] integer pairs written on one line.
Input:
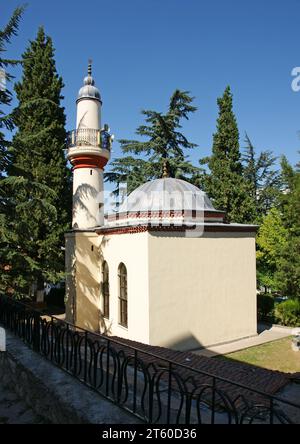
{"points": [[225, 184], [41, 198]]}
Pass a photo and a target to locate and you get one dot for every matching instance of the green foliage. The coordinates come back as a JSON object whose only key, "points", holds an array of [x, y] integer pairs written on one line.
{"points": [[278, 240], [37, 204], [163, 143], [288, 274], [6, 121], [271, 239], [290, 198], [264, 180], [20, 246], [226, 184], [288, 313], [265, 305]]}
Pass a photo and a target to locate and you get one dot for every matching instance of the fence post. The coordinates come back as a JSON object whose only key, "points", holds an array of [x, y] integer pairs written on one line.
{"points": [[169, 392], [85, 356], [36, 332], [213, 400], [107, 369], [2, 340]]}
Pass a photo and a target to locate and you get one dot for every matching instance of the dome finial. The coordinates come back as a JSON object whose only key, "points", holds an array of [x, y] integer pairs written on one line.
{"points": [[89, 90], [90, 67], [88, 80], [165, 169]]}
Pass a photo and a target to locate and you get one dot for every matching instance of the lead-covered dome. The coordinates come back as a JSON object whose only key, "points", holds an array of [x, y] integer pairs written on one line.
{"points": [[167, 194], [166, 201], [89, 90]]}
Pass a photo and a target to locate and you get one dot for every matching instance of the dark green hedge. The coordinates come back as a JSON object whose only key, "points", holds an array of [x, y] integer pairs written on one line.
{"points": [[288, 313]]}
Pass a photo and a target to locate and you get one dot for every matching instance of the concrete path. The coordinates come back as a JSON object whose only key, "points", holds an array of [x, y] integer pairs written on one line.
{"points": [[13, 410], [291, 393], [266, 333]]}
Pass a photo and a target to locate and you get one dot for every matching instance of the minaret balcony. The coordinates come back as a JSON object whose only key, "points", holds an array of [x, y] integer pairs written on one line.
{"points": [[85, 137], [89, 142]]}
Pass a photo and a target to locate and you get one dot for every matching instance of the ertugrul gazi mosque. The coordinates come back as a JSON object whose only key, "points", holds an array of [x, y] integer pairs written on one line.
{"points": [[165, 269]]}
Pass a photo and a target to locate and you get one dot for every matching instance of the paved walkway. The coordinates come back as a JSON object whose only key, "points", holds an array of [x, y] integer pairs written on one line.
{"points": [[265, 334], [14, 411]]}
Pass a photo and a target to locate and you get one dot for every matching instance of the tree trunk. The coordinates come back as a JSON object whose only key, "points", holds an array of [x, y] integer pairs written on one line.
{"points": [[40, 290]]}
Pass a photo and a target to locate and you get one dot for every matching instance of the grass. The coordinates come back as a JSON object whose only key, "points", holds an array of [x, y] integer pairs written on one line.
{"points": [[275, 355]]}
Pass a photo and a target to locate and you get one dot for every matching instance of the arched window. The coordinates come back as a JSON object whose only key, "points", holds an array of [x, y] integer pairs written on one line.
{"points": [[123, 318], [105, 289]]}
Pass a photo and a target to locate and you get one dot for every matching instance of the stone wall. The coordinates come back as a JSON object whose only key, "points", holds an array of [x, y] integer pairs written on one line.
{"points": [[51, 393]]}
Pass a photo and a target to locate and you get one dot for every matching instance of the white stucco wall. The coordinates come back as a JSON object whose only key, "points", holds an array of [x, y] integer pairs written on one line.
{"points": [[132, 250], [83, 280], [202, 290], [183, 292], [84, 299]]}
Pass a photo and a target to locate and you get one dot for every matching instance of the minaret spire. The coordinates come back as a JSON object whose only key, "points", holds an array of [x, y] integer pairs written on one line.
{"points": [[90, 67]]}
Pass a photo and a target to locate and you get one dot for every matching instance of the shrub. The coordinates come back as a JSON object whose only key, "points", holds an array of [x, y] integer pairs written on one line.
{"points": [[265, 306], [288, 313]]}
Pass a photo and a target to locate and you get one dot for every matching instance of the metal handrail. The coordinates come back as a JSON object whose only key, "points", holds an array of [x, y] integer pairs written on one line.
{"points": [[84, 137], [112, 357]]}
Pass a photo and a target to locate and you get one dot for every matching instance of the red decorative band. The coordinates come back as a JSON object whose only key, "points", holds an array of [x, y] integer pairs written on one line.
{"points": [[167, 213], [207, 228], [88, 161]]}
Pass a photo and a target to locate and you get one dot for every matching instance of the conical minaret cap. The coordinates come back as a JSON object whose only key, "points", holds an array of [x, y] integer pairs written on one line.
{"points": [[89, 90]]}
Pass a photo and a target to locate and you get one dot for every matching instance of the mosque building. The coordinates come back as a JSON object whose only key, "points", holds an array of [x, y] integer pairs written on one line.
{"points": [[165, 269]]}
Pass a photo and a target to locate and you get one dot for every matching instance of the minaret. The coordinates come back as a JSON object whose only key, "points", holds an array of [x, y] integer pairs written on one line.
{"points": [[88, 151]]}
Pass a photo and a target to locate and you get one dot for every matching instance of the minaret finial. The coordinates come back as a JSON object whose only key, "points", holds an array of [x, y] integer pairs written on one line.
{"points": [[90, 67], [165, 169]]}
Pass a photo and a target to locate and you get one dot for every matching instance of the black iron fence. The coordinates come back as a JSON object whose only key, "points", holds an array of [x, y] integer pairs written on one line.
{"points": [[153, 388]]}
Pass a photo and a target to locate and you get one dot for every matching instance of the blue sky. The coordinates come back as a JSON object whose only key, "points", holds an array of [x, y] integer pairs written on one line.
{"points": [[143, 49]]}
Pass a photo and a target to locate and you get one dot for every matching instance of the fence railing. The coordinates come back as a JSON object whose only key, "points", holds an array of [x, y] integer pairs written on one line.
{"points": [[149, 386], [84, 137]]}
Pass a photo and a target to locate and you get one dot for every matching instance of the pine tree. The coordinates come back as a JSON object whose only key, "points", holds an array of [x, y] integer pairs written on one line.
{"points": [[226, 184], [40, 201], [264, 180], [6, 123], [5, 95], [165, 144]]}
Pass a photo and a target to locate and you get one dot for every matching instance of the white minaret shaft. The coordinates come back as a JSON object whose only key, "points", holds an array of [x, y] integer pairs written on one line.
{"points": [[88, 157]]}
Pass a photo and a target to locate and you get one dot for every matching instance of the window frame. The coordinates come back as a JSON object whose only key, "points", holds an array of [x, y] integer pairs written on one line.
{"points": [[105, 289], [123, 295]]}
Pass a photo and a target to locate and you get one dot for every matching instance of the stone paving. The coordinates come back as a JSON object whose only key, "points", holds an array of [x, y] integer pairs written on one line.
{"points": [[14, 411]]}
